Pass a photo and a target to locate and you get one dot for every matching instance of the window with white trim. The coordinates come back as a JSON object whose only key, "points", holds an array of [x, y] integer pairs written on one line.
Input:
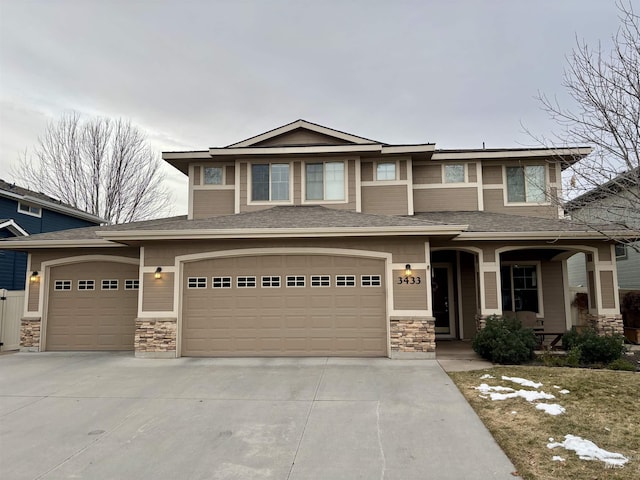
{"points": [[109, 285], [370, 280], [132, 284], [213, 175], [324, 181], [269, 182], [197, 282], [345, 280], [320, 280], [386, 171], [246, 282], [86, 284], [270, 282], [29, 209], [621, 251], [295, 281], [526, 184], [62, 285], [454, 173], [221, 282], [520, 288]]}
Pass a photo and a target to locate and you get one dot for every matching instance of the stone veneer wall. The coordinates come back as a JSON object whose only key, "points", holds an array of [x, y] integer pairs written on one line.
{"points": [[30, 329], [155, 337], [413, 336], [606, 324]]}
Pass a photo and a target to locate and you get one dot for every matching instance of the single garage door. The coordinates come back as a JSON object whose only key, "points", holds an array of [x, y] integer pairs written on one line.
{"points": [[92, 306], [277, 305]]}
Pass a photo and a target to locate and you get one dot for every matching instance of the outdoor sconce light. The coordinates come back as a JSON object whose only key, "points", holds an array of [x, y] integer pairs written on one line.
{"points": [[34, 277], [407, 270], [158, 273]]}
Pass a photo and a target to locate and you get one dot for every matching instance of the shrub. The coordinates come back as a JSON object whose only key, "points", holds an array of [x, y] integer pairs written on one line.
{"points": [[622, 364], [504, 341], [594, 348]]}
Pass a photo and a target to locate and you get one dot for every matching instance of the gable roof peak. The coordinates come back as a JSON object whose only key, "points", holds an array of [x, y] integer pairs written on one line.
{"points": [[306, 125]]}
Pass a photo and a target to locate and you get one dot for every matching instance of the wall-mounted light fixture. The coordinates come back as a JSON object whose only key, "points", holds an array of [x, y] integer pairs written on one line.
{"points": [[158, 273], [34, 276], [407, 270]]}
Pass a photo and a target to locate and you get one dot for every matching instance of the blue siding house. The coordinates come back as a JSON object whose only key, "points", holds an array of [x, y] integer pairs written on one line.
{"points": [[24, 212]]}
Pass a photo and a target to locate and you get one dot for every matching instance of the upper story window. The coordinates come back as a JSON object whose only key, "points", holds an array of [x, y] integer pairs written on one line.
{"points": [[386, 171], [270, 182], [324, 181], [454, 173], [29, 209], [213, 175], [621, 251], [526, 184]]}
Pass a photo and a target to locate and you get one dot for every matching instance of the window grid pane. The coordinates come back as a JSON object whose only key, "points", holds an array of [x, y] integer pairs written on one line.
{"points": [[132, 284], [371, 281], [334, 178], [320, 280], [259, 182], [314, 181], [345, 280], [386, 171], [280, 181], [535, 184], [62, 285], [271, 282], [454, 173], [86, 284], [515, 184], [246, 282], [197, 282], [295, 281], [221, 282], [213, 175], [109, 285]]}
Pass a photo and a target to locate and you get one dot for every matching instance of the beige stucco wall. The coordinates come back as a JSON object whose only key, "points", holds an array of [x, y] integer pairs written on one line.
{"points": [[410, 296], [385, 199], [157, 293], [445, 199], [209, 203]]}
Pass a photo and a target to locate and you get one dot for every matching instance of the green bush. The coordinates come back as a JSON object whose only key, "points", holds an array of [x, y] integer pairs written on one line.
{"points": [[594, 348], [622, 364], [504, 341]]}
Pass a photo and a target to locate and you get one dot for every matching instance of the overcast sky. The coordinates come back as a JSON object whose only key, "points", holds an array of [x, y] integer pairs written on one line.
{"points": [[195, 74]]}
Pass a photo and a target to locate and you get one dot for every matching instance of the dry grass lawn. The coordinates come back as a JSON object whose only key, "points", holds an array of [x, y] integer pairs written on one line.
{"points": [[602, 406]]}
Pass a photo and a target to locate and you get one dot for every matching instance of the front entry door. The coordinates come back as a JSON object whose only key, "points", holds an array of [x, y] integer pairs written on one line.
{"points": [[441, 291]]}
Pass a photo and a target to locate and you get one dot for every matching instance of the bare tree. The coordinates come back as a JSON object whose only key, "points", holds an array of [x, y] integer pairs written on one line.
{"points": [[605, 85], [101, 166]]}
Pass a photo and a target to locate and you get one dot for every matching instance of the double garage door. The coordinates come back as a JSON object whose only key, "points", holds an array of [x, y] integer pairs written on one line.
{"points": [[92, 306], [278, 305]]}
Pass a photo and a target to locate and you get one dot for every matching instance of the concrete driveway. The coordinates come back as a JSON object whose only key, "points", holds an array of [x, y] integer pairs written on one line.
{"points": [[112, 416]]}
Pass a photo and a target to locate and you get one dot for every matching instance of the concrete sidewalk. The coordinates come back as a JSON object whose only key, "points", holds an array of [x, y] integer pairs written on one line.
{"points": [[109, 415]]}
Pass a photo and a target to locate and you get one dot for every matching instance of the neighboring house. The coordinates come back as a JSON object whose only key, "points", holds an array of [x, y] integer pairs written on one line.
{"points": [[23, 213], [617, 201], [305, 240]]}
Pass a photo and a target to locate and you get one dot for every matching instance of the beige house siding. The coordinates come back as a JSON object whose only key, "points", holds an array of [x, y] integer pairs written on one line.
{"points": [[445, 199], [385, 199], [472, 172], [403, 170], [608, 289], [158, 292], [196, 175], [553, 296], [427, 174], [301, 137], [494, 202], [366, 171], [409, 296], [209, 203], [402, 250], [468, 294], [492, 174], [34, 296], [230, 175], [490, 290]]}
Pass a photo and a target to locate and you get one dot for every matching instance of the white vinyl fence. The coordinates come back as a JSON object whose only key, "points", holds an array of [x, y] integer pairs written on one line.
{"points": [[11, 305]]}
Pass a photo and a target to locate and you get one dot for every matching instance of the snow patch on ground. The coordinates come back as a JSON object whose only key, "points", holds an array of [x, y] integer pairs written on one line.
{"points": [[485, 376], [564, 391], [551, 408], [587, 450], [557, 458], [529, 395], [522, 381], [484, 388]]}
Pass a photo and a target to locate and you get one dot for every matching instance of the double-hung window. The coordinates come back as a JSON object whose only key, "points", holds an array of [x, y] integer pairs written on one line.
{"points": [[520, 288], [324, 181], [526, 184], [270, 182], [454, 173], [386, 171]]}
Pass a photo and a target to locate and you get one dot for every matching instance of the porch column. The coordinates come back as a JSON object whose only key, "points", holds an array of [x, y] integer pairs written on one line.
{"points": [[488, 270], [602, 281]]}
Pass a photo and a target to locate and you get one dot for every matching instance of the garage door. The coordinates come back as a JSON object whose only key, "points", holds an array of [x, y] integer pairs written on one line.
{"points": [[92, 306], [284, 306]]}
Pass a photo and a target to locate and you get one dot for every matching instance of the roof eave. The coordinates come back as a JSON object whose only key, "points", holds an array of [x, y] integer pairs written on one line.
{"points": [[546, 235], [38, 244]]}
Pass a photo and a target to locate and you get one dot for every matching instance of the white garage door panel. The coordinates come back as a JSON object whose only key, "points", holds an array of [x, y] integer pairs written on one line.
{"points": [[91, 319], [302, 321]]}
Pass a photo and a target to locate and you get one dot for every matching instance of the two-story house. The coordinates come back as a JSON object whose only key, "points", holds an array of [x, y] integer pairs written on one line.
{"points": [[24, 212], [306, 240]]}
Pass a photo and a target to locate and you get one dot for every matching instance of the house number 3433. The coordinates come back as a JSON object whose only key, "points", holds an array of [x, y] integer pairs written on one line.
{"points": [[409, 280]]}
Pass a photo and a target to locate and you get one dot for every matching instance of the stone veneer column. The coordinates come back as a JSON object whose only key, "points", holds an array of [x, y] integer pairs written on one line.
{"points": [[155, 337], [413, 337], [30, 329], [606, 324]]}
